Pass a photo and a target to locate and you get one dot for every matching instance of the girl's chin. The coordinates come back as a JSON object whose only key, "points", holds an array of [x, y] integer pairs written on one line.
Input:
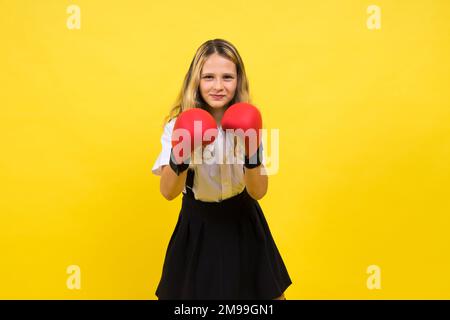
{"points": [[216, 104]]}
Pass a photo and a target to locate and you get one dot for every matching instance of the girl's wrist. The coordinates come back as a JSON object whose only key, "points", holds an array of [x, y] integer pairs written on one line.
{"points": [[254, 161], [178, 168]]}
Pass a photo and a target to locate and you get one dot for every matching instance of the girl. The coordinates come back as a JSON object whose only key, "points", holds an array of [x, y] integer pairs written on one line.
{"points": [[221, 247]]}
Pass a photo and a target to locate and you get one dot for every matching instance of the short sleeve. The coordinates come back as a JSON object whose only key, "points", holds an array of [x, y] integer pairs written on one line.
{"points": [[263, 159], [164, 155]]}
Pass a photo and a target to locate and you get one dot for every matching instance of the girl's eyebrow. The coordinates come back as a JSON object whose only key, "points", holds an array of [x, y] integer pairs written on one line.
{"points": [[211, 74]]}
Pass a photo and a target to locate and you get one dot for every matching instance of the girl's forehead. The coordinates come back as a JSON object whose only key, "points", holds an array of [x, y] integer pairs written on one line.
{"points": [[216, 63]]}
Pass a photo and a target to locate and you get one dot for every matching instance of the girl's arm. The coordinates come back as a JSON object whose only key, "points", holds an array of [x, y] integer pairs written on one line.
{"points": [[170, 184], [256, 183]]}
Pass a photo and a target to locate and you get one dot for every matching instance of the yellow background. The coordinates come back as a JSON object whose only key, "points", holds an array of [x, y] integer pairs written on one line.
{"points": [[364, 119]]}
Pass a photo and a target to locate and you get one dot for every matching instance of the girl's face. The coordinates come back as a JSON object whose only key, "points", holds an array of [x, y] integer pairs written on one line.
{"points": [[218, 81]]}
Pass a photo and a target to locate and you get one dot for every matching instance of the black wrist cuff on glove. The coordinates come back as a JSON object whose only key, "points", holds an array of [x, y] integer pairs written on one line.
{"points": [[254, 161], [178, 168]]}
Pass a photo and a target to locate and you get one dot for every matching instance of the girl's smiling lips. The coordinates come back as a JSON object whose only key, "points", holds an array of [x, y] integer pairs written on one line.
{"points": [[217, 96]]}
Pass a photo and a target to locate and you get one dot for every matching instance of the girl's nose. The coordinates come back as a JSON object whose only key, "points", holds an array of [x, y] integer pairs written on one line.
{"points": [[218, 84]]}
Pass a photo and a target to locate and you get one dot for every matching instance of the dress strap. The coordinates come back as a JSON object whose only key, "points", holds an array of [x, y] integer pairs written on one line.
{"points": [[190, 182]]}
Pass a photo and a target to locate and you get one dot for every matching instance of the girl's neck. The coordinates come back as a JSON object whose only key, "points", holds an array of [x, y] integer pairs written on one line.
{"points": [[217, 113]]}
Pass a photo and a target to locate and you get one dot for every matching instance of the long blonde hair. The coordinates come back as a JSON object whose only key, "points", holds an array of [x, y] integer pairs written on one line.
{"points": [[189, 95]]}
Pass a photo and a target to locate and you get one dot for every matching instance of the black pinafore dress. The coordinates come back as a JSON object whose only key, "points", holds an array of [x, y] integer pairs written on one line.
{"points": [[221, 250]]}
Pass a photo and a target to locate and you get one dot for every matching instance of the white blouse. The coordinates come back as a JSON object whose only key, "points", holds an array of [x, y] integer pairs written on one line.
{"points": [[219, 177]]}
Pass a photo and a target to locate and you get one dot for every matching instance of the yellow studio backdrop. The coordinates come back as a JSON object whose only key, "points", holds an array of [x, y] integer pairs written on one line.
{"points": [[359, 207]]}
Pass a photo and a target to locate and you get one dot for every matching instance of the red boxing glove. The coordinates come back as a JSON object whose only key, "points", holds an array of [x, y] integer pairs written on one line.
{"points": [[246, 120], [193, 128]]}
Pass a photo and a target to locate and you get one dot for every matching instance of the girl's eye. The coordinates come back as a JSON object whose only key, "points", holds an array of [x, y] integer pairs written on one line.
{"points": [[210, 77]]}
